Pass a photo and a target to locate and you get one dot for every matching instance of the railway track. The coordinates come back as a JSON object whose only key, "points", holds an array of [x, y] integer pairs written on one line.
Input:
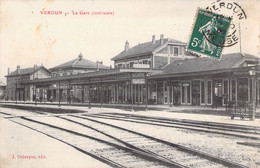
{"points": [[116, 146], [103, 149], [168, 150], [241, 131]]}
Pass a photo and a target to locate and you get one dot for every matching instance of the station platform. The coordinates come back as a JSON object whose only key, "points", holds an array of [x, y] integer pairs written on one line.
{"points": [[198, 113]]}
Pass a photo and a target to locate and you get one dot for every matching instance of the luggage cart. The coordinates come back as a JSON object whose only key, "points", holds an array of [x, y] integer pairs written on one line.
{"points": [[242, 109]]}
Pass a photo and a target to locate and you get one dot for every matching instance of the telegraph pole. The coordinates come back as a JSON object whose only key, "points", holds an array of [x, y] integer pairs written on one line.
{"points": [[240, 49]]}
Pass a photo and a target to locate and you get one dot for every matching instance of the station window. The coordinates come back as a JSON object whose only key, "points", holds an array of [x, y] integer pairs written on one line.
{"points": [[181, 51], [233, 85], [176, 51], [209, 92], [202, 85], [131, 64], [145, 61]]}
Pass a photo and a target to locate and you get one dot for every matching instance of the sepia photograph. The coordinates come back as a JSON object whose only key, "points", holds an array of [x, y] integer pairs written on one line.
{"points": [[129, 84]]}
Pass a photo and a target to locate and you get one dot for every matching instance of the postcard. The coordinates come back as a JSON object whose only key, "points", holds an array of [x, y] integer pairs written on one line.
{"points": [[96, 83]]}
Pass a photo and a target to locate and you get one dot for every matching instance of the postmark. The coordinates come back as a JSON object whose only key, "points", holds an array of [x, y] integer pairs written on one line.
{"points": [[209, 34], [238, 15]]}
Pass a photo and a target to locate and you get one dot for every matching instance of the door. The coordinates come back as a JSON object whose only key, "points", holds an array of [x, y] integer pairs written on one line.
{"points": [[176, 89], [160, 91], [242, 88], [186, 93], [217, 97], [195, 92]]}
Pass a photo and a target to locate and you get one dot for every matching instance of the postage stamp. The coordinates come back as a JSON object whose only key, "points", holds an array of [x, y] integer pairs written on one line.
{"points": [[209, 34]]}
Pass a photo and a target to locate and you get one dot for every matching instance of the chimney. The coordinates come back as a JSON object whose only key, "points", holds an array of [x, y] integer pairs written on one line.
{"points": [[18, 69], [153, 39], [8, 71], [161, 39], [35, 67], [126, 46], [80, 56]]}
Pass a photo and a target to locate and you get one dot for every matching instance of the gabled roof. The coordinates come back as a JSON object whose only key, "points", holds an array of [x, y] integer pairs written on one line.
{"points": [[80, 62], [200, 64], [26, 71], [144, 48]]}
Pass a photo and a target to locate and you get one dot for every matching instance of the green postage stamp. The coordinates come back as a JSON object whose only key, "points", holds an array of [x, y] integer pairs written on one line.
{"points": [[209, 34]]}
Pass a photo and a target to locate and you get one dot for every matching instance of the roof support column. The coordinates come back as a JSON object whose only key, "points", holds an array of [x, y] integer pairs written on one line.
{"points": [[59, 93], [253, 96], [101, 95], [89, 96], [146, 92], [44, 95], [15, 93], [24, 94], [132, 95], [68, 94], [82, 93], [170, 95], [34, 96], [117, 93]]}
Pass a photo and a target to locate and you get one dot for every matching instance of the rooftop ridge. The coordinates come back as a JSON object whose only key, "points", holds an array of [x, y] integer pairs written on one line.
{"points": [[145, 47]]}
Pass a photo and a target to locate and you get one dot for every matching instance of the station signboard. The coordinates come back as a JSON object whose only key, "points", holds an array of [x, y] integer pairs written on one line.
{"points": [[138, 81]]}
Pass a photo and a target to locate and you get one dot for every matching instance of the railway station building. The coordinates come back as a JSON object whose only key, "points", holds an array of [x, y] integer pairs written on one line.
{"points": [[155, 72]]}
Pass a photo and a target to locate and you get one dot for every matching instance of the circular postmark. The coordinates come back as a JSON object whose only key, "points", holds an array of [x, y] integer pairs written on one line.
{"points": [[231, 10]]}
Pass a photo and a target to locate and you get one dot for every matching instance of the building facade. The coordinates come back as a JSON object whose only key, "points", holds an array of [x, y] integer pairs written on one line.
{"points": [[154, 54], [155, 72], [15, 90], [76, 66], [2, 91]]}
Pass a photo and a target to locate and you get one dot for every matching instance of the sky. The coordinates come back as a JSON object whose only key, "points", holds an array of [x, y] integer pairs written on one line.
{"points": [[28, 37]]}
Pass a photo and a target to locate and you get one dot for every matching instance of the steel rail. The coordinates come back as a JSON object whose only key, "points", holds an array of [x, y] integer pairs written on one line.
{"points": [[238, 126], [183, 148], [121, 141], [175, 126], [196, 124], [102, 159], [144, 155]]}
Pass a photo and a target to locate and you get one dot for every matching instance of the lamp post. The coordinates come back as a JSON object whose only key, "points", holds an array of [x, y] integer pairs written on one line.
{"points": [[252, 73]]}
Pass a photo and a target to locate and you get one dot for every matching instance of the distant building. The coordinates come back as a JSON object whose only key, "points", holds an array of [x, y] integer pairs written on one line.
{"points": [[76, 66], [16, 91], [2, 91]]}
